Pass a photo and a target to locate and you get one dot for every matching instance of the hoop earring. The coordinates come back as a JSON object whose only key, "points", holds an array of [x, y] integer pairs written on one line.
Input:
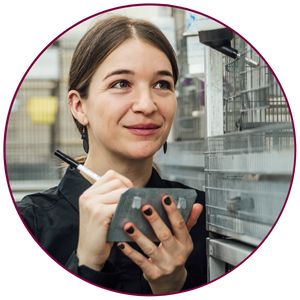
{"points": [[85, 139], [165, 147]]}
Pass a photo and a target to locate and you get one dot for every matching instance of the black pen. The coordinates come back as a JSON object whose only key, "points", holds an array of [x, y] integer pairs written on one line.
{"points": [[76, 165]]}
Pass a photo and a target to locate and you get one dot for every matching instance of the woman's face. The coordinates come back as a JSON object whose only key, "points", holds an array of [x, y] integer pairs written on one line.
{"points": [[131, 102]]}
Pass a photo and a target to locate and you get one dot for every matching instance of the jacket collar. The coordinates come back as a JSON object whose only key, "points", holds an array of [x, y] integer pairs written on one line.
{"points": [[73, 184]]}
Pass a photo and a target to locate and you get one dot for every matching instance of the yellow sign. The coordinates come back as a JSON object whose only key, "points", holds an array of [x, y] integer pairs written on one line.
{"points": [[42, 110]]}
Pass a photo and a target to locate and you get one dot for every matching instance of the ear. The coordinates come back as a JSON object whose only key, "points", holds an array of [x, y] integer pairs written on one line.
{"points": [[77, 107]]}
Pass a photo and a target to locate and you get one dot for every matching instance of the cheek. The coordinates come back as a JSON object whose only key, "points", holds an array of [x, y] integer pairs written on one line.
{"points": [[175, 107], [111, 112], [168, 110]]}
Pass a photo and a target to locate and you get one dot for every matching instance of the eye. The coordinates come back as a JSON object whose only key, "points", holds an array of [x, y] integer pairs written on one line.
{"points": [[120, 85], [164, 85]]}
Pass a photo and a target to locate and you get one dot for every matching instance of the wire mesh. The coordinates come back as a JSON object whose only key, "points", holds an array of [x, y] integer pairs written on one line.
{"points": [[29, 145], [184, 161], [252, 95], [40, 121], [248, 176], [248, 169], [190, 115]]}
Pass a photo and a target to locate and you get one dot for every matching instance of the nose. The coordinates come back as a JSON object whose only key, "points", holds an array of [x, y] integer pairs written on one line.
{"points": [[144, 101]]}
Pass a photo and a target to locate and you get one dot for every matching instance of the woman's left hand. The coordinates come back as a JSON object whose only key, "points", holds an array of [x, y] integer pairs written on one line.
{"points": [[165, 268]]}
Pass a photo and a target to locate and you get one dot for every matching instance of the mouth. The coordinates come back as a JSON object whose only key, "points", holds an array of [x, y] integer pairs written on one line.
{"points": [[143, 129], [143, 126]]}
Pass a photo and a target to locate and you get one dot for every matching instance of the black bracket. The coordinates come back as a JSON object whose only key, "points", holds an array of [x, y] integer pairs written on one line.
{"points": [[220, 40]]}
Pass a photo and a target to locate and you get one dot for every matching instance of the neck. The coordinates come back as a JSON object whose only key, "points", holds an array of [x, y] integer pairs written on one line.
{"points": [[138, 171]]}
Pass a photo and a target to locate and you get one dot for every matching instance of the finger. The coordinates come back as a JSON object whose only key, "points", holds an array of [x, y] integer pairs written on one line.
{"points": [[138, 258], [91, 199], [161, 230], [109, 182], [194, 215], [177, 222], [112, 197], [147, 246], [110, 175], [109, 186]]}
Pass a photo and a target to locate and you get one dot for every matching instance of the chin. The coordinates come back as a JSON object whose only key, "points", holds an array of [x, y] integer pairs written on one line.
{"points": [[141, 151], [140, 154]]}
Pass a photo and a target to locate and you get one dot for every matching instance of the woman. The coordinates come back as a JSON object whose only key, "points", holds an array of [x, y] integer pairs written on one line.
{"points": [[122, 97]]}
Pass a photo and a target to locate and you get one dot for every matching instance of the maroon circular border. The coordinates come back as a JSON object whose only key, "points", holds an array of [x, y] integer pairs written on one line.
{"points": [[76, 22]]}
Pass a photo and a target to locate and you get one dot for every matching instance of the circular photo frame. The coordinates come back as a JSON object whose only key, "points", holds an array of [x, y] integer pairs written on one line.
{"points": [[50, 107]]}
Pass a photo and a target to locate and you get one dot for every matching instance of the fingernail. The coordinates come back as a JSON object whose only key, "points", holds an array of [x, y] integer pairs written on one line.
{"points": [[168, 201], [121, 246], [130, 230], [148, 212]]}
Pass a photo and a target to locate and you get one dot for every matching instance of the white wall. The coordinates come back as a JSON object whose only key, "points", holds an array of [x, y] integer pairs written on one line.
{"points": [[143, 12]]}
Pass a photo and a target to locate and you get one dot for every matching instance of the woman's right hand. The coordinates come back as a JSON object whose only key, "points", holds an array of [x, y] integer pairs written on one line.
{"points": [[96, 208]]}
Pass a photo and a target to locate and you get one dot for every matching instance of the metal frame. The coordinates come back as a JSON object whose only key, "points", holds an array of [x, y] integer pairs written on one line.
{"points": [[223, 251], [230, 225]]}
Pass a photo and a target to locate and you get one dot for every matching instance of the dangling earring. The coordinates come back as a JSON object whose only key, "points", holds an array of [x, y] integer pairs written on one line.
{"points": [[165, 147], [85, 139]]}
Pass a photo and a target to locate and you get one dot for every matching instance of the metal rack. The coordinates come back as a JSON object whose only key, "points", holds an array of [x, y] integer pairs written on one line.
{"points": [[249, 156], [189, 123], [252, 95], [30, 143], [248, 176]]}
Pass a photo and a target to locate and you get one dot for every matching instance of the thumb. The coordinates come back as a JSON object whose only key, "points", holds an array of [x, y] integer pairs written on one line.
{"points": [[194, 215]]}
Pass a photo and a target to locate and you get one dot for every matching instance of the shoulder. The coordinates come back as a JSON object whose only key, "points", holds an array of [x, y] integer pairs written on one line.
{"points": [[38, 206], [44, 200], [178, 185]]}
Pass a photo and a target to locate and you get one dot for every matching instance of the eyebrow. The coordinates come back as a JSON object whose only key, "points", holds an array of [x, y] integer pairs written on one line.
{"points": [[118, 72], [164, 73], [125, 71]]}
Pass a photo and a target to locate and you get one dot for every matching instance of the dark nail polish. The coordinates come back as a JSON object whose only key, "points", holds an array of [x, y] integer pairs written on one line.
{"points": [[121, 246], [130, 230], [168, 201], [148, 212]]}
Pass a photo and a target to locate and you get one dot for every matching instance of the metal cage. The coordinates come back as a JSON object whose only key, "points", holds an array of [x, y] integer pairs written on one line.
{"points": [[252, 95]]}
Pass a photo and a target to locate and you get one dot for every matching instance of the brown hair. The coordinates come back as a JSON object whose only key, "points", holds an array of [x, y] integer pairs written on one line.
{"points": [[102, 39]]}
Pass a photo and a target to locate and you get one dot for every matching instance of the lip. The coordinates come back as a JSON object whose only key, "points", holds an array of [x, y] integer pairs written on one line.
{"points": [[143, 129], [143, 126]]}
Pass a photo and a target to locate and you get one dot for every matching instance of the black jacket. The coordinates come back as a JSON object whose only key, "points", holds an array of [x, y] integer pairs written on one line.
{"points": [[53, 219]]}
